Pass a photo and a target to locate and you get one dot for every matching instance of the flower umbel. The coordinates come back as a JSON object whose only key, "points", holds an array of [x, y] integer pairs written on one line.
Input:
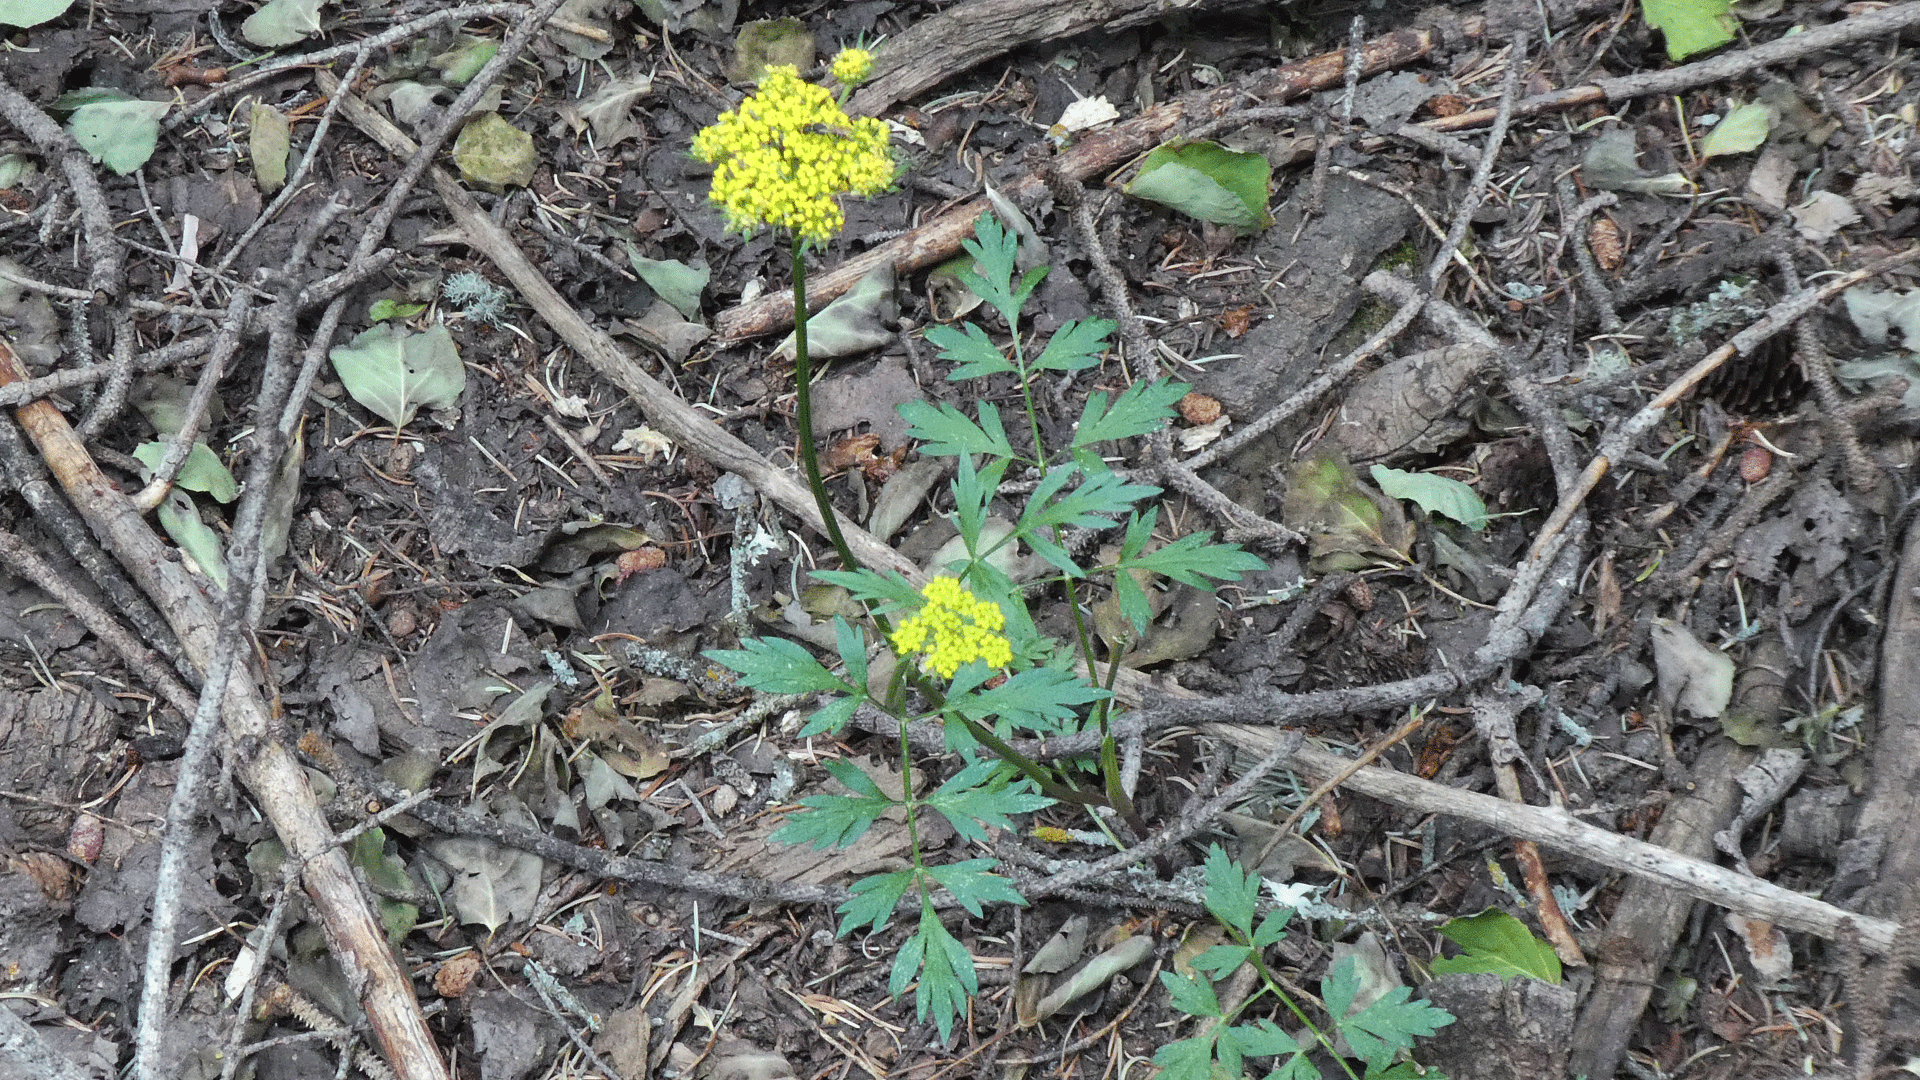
{"points": [[852, 65], [954, 629], [787, 151]]}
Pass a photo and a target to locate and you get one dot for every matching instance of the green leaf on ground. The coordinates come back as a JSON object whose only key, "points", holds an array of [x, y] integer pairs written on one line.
{"points": [[181, 519], [493, 155], [768, 43], [1194, 558], [947, 979], [25, 13], [458, 65], [1691, 26], [1207, 181], [282, 22], [673, 281], [1435, 494], [117, 131], [203, 470], [394, 372], [1497, 942], [269, 140], [1738, 132]]}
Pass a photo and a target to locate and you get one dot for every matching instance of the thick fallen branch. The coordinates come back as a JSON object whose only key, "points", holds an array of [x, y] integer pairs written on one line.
{"points": [[265, 764], [945, 44]]}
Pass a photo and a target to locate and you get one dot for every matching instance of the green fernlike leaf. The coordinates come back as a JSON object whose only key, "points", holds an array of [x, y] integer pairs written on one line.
{"points": [[778, 666], [837, 820], [972, 885], [394, 372], [967, 800], [1231, 893], [1194, 558], [1076, 346], [1194, 996], [993, 254], [1691, 26], [1207, 181], [945, 431], [1187, 1059], [1436, 494], [874, 899], [869, 585], [947, 979], [1088, 506], [1038, 699], [971, 348], [1497, 942], [1140, 409], [1384, 1028]]}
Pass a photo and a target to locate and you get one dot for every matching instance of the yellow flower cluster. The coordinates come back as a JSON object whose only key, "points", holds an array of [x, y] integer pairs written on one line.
{"points": [[954, 629], [786, 152], [852, 65]]}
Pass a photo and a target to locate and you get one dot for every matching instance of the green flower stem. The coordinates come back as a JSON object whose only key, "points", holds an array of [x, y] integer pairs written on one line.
{"points": [[803, 409]]}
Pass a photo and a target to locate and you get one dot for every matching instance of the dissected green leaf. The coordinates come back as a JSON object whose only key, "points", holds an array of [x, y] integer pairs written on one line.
{"points": [[202, 471], [1194, 558], [394, 372], [968, 801], [777, 666], [1691, 26], [768, 43], [1231, 892], [1383, 1028], [675, 282], [1207, 181], [971, 883], [118, 131], [1140, 409], [1497, 942], [493, 155], [1192, 995], [971, 349], [1738, 132], [947, 978], [269, 140], [874, 899], [32, 12], [1435, 494], [181, 519], [282, 22], [1038, 699], [945, 431], [1076, 346]]}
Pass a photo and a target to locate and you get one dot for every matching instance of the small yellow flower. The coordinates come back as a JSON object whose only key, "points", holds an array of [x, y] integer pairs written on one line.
{"points": [[953, 630], [852, 65], [783, 156]]}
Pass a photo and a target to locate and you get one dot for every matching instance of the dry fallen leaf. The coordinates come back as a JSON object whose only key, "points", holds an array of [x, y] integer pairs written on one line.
{"points": [[644, 442]]}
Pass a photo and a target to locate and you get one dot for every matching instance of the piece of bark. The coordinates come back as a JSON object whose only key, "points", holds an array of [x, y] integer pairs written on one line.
{"points": [[953, 41], [1503, 1029], [1893, 794], [1651, 916], [266, 764]]}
